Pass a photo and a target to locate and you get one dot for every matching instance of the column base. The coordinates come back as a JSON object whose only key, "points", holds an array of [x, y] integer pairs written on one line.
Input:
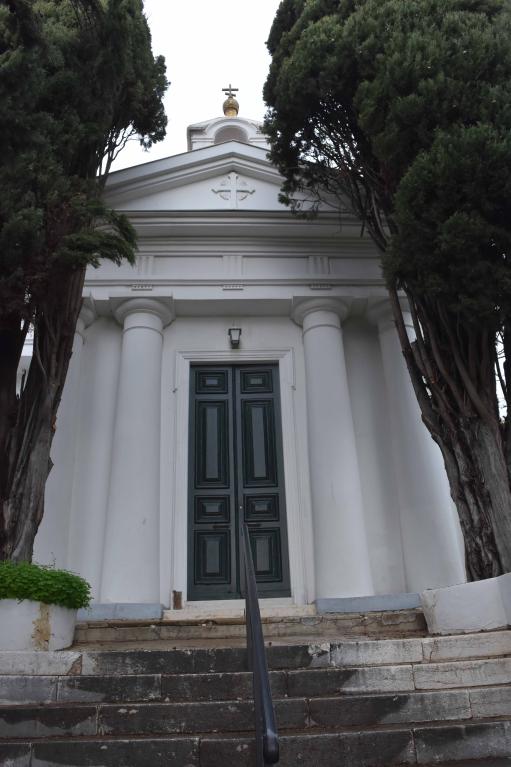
{"points": [[377, 603], [122, 611]]}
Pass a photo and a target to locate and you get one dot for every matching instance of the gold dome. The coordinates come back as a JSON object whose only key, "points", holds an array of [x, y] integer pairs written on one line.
{"points": [[231, 106]]}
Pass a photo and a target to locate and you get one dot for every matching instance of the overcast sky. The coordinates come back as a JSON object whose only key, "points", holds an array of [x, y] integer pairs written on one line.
{"points": [[207, 44]]}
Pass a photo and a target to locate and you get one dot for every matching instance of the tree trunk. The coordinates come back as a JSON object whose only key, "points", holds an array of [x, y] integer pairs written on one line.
{"points": [[480, 508], [454, 380], [25, 450]]}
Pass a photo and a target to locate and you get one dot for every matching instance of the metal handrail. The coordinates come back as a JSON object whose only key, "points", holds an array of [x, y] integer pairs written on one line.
{"points": [[267, 740]]}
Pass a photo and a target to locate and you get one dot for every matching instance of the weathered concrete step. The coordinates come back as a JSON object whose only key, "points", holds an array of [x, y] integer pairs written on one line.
{"points": [[139, 719], [237, 715], [378, 624], [136, 752], [165, 658], [173, 688], [457, 745], [308, 683], [200, 687]]}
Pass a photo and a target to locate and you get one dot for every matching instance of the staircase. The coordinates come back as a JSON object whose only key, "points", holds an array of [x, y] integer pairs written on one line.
{"points": [[186, 703]]}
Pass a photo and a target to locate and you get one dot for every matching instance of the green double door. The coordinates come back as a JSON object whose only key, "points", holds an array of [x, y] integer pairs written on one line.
{"points": [[236, 475]]}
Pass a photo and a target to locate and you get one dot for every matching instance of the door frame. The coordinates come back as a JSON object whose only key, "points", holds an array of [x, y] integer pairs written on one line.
{"points": [[293, 476]]}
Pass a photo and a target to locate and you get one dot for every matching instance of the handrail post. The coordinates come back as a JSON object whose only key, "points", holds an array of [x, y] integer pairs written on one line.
{"points": [[267, 742]]}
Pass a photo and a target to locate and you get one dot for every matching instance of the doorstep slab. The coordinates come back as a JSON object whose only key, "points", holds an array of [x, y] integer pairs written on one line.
{"points": [[217, 614]]}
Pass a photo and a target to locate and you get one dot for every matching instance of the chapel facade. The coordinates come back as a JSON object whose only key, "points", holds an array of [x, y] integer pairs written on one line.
{"points": [[246, 370]]}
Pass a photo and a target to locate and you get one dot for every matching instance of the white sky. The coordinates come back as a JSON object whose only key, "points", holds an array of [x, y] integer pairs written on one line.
{"points": [[207, 44]]}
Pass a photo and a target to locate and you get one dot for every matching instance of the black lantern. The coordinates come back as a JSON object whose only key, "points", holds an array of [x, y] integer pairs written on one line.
{"points": [[234, 337]]}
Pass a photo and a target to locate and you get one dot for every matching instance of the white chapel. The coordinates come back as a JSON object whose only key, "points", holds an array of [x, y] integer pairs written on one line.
{"points": [[245, 371]]}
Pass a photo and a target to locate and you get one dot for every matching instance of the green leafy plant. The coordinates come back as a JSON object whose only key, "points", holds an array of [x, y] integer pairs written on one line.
{"points": [[23, 580]]}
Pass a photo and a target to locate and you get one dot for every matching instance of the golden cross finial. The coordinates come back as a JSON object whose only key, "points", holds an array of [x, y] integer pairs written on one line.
{"points": [[230, 106]]}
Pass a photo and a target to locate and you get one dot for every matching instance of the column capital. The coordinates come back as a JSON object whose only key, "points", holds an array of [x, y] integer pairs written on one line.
{"points": [[379, 313], [304, 307], [86, 317], [152, 313]]}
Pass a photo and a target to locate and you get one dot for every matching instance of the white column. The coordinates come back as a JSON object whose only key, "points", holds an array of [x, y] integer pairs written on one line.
{"points": [[342, 567], [131, 554], [429, 528], [52, 536]]}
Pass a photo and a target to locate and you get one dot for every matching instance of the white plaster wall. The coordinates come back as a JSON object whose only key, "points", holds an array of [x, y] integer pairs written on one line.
{"points": [[379, 492], [204, 337], [94, 450], [50, 546]]}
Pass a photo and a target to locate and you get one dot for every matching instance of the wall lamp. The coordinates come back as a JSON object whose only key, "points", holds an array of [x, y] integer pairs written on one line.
{"points": [[234, 337]]}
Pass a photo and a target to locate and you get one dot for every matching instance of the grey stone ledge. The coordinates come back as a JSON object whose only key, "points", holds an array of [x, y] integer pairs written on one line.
{"points": [[380, 603], [149, 611]]}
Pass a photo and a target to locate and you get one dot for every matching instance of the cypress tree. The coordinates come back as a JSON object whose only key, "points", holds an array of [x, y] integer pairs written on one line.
{"points": [[77, 80], [403, 109]]}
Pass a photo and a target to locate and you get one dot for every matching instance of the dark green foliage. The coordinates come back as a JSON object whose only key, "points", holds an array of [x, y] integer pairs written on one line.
{"points": [[77, 80], [402, 108], [453, 212], [415, 97], [43, 584]]}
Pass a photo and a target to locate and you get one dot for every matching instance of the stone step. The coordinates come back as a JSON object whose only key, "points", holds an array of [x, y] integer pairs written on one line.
{"points": [[155, 658], [458, 745], [388, 623], [173, 718], [308, 683]]}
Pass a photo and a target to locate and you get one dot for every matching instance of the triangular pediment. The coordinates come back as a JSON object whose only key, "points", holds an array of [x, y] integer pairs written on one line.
{"points": [[230, 176]]}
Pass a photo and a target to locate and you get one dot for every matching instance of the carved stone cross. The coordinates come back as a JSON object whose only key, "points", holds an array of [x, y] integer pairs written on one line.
{"points": [[232, 187]]}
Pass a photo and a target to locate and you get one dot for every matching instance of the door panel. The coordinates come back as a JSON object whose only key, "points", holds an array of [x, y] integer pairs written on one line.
{"points": [[266, 551], [212, 457], [213, 555], [236, 474], [258, 430]]}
